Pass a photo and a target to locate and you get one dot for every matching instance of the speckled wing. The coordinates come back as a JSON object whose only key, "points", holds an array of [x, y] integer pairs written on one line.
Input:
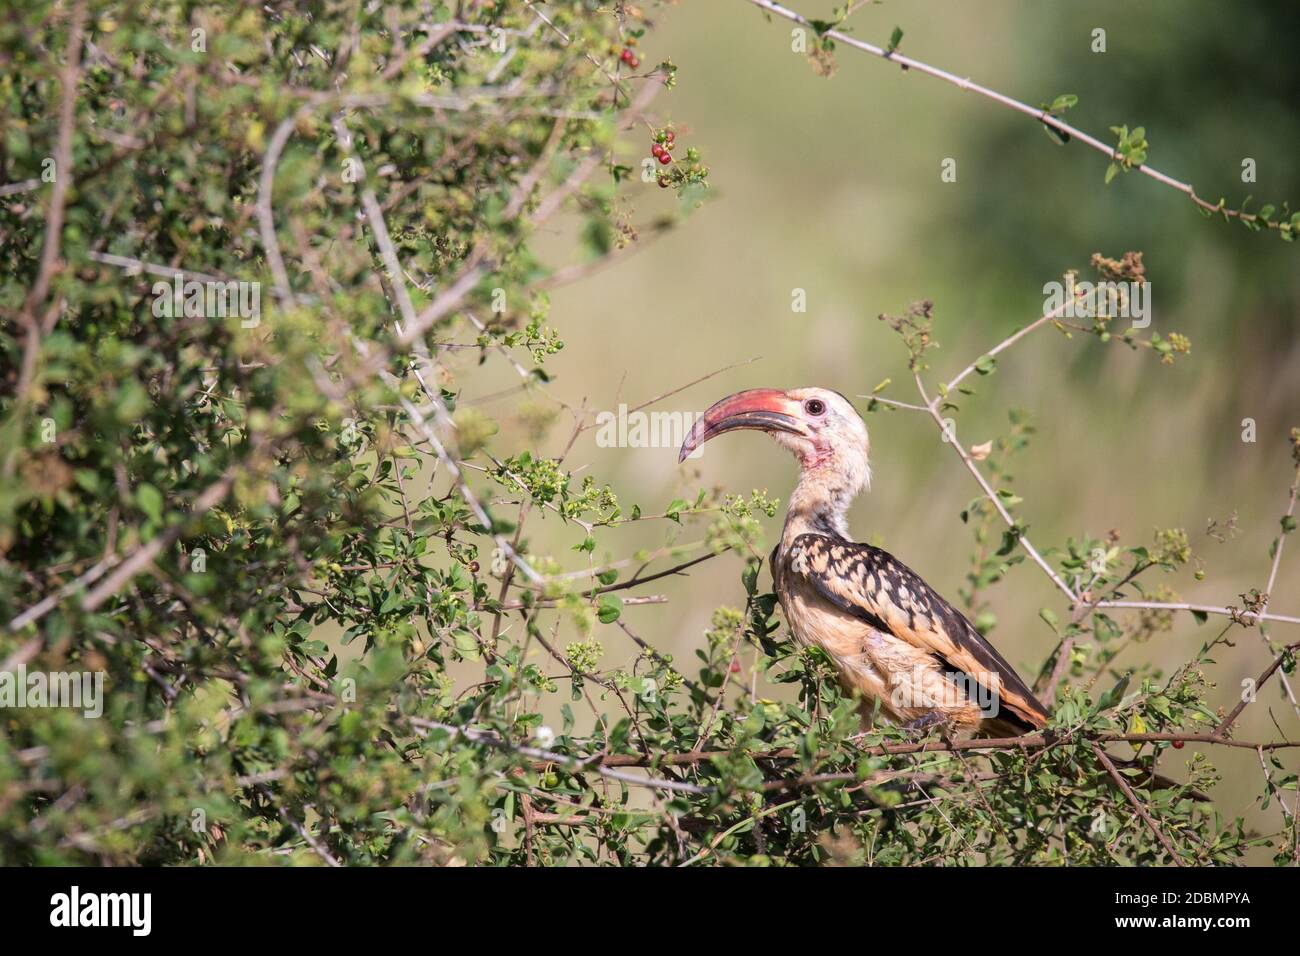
{"points": [[877, 588]]}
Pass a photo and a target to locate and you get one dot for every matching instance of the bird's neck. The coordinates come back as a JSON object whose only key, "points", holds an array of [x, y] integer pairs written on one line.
{"points": [[819, 504]]}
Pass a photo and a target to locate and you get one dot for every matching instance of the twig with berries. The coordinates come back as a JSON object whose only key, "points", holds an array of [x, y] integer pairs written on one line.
{"points": [[629, 58], [679, 172]]}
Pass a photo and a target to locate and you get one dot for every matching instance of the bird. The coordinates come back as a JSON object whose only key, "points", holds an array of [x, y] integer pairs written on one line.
{"points": [[894, 640]]}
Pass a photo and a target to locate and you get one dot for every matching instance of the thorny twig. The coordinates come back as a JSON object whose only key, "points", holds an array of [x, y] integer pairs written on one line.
{"points": [[1044, 116]]}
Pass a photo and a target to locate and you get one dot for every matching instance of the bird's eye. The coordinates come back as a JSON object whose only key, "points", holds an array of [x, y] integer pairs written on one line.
{"points": [[814, 406]]}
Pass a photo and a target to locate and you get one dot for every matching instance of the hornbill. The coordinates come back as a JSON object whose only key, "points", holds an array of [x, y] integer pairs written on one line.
{"points": [[892, 637]]}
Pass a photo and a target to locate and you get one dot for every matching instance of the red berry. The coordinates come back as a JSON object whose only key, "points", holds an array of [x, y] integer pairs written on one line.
{"points": [[656, 149], [664, 157], [634, 63], [735, 666], [473, 567], [1178, 745], [670, 136]]}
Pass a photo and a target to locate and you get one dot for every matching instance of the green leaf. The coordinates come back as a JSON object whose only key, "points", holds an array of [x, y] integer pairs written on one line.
{"points": [[1113, 696], [609, 609], [1060, 137], [150, 500]]}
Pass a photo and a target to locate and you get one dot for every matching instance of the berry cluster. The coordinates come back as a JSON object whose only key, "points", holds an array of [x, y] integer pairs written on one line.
{"points": [[627, 56], [663, 146], [681, 172]]}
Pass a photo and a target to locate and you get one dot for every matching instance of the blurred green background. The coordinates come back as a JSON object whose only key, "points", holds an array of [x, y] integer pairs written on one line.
{"points": [[833, 186]]}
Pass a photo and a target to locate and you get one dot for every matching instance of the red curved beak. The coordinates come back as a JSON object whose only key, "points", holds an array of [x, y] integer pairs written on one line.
{"points": [[764, 409]]}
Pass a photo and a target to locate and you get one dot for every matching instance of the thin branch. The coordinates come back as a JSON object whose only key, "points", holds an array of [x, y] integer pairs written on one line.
{"points": [[1246, 617], [303, 832], [1043, 116], [1272, 577], [68, 79], [375, 219], [635, 580], [564, 760], [38, 328], [1009, 341], [1037, 741], [558, 602], [1226, 724], [992, 495], [1137, 805], [691, 384]]}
